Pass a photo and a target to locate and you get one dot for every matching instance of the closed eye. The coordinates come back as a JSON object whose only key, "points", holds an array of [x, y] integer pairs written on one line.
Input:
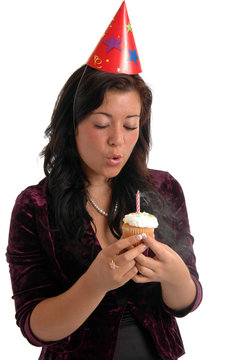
{"points": [[130, 128], [101, 126]]}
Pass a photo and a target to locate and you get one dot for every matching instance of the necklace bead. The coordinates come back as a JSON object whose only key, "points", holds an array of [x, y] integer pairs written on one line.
{"points": [[102, 212], [98, 208]]}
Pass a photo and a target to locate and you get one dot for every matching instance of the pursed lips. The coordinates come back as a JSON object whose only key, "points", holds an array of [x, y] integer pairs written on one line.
{"points": [[114, 159], [114, 156]]}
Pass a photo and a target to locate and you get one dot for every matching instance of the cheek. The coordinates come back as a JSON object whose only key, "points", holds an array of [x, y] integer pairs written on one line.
{"points": [[132, 139], [92, 139], [87, 142]]}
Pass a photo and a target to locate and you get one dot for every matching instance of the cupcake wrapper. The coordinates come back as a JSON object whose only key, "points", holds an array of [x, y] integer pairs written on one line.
{"points": [[131, 230]]}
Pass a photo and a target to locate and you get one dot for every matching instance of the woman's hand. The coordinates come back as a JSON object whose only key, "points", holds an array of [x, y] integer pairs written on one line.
{"points": [[115, 265], [168, 268]]}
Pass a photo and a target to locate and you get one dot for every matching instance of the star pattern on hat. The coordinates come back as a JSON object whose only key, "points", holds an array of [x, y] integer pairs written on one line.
{"points": [[133, 56], [129, 28], [112, 43]]}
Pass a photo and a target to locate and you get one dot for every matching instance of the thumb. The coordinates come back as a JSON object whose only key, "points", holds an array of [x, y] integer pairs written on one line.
{"points": [[159, 249]]}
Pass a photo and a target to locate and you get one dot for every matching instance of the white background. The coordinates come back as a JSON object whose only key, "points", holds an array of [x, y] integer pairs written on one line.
{"points": [[189, 55]]}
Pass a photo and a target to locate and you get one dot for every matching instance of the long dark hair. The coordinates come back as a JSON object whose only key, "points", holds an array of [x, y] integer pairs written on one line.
{"points": [[83, 93]]}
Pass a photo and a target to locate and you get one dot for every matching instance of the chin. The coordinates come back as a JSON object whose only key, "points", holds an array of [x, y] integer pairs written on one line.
{"points": [[113, 173]]}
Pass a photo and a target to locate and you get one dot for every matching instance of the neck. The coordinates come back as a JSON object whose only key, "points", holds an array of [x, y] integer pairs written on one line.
{"points": [[100, 193], [100, 188]]}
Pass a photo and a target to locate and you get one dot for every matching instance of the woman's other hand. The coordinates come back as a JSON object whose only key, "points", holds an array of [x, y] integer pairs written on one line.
{"points": [[168, 268], [115, 265]]}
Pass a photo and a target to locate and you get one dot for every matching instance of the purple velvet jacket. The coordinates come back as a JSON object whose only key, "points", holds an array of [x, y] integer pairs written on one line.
{"points": [[39, 270]]}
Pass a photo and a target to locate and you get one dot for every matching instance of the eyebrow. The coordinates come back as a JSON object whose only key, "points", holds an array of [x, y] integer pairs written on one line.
{"points": [[110, 116]]}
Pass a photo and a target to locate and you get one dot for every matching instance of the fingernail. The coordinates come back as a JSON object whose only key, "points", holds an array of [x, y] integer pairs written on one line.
{"points": [[139, 237], [144, 236]]}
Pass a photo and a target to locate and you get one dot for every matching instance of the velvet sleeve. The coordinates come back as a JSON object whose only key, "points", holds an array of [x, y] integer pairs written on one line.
{"points": [[175, 208], [30, 268]]}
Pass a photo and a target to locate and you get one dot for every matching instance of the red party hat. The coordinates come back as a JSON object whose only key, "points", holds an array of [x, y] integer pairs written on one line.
{"points": [[116, 52]]}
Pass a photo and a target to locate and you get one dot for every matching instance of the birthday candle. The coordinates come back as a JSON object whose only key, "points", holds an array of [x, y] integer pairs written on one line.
{"points": [[138, 202]]}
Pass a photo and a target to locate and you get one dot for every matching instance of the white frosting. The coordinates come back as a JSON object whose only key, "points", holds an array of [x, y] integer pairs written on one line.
{"points": [[142, 219]]}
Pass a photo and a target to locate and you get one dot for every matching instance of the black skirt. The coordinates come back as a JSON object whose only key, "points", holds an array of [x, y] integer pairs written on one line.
{"points": [[134, 343]]}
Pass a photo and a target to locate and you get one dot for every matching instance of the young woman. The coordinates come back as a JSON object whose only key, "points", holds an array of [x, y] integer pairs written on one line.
{"points": [[66, 231]]}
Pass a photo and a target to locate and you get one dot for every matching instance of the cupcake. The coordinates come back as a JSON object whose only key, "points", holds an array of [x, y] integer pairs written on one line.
{"points": [[139, 223]]}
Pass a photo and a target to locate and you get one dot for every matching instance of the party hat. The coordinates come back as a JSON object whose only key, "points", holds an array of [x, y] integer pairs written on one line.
{"points": [[116, 51]]}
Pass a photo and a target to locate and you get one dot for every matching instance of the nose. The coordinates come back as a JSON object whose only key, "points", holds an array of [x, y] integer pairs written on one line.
{"points": [[116, 136]]}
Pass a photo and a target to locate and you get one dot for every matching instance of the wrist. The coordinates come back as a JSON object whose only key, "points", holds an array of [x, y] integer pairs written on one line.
{"points": [[178, 278], [92, 285], [179, 296]]}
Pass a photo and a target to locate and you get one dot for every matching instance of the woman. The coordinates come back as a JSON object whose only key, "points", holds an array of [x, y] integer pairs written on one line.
{"points": [[66, 230]]}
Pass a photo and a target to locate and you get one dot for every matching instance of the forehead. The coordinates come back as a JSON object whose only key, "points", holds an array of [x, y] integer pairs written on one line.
{"points": [[119, 100]]}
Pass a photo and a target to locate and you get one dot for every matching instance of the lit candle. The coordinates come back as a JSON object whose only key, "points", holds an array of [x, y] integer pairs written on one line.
{"points": [[138, 202]]}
